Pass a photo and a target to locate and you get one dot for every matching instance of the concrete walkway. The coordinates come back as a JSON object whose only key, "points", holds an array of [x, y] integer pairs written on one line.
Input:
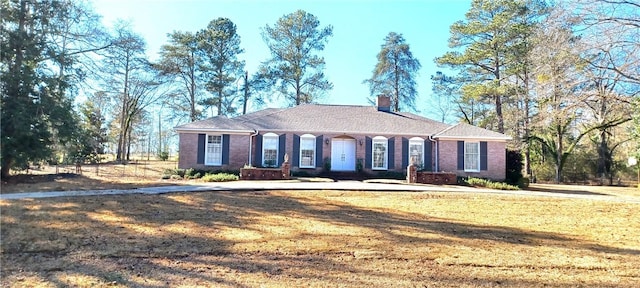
{"points": [[296, 185]]}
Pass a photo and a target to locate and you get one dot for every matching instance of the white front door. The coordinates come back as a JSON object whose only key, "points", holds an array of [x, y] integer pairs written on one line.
{"points": [[343, 155]]}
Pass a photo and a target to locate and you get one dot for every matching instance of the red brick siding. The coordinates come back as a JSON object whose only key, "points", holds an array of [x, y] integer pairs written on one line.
{"points": [[188, 150], [360, 148], [238, 152], [496, 157]]}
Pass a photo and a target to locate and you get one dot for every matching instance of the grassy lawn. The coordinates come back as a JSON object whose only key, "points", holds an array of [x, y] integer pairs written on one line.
{"points": [[319, 239]]}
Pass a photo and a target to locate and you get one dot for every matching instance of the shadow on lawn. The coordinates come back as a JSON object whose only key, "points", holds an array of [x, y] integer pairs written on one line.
{"points": [[560, 190], [154, 241]]}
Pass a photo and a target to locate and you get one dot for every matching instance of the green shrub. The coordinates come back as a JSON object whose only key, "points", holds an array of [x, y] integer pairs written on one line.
{"points": [[478, 182], [175, 177], [326, 164], [190, 172], [179, 172], [194, 176], [388, 175], [219, 177], [164, 156], [301, 174]]}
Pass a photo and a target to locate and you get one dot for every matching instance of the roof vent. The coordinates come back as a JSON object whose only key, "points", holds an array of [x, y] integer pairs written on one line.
{"points": [[384, 103]]}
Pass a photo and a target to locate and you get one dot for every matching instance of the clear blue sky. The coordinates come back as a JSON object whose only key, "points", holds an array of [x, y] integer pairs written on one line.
{"points": [[359, 28]]}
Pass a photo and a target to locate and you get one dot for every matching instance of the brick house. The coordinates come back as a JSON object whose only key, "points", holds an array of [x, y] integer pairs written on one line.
{"points": [[341, 138]]}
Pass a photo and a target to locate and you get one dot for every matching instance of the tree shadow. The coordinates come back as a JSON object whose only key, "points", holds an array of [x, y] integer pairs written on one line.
{"points": [[162, 238], [566, 191]]}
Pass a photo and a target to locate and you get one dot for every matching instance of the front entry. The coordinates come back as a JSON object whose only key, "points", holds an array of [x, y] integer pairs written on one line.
{"points": [[343, 154]]}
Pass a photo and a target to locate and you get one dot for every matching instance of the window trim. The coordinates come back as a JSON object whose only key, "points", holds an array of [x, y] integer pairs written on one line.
{"points": [[312, 138], [382, 140], [414, 141], [270, 135], [477, 143], [206, 150]]}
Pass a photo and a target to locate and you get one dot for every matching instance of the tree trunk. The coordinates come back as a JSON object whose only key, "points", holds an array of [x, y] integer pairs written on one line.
{"points": [[219, 102], [527, 151], [499, 113], [7, 163], [123, 119], [192, 90], [396, 87], [498, 97], [160, 132], [298, 92], [129, 146], [558, 179], [246, 92], [559, 151]]}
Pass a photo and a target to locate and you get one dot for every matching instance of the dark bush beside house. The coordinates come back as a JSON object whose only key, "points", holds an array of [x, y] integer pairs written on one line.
{"points": [[327, 164], [514, 166], [387, 175]]}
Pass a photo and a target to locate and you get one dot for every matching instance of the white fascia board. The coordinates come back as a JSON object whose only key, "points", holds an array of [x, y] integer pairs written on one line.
{"points": [[223, 131], [348, 133], [497, 139]]}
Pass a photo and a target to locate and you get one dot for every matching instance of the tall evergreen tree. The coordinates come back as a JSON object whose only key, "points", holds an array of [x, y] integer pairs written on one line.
{"points": [[38, 42], [219, 47], [180, 62], [487, 39], [294, 69], [395, 73]]}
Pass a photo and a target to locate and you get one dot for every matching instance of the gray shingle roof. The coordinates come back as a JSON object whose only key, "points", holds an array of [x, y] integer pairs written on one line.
{"points": [[214, 123], [315, 118], [463, 130], [344, 119]]}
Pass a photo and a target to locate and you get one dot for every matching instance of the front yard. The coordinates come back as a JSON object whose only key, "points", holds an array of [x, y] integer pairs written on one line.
{"points": [[319, 239]]}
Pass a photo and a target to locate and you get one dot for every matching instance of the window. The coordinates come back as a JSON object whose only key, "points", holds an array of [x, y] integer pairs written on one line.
{"points": [[416, 151], [307, 151], [472, 156], [214, 150], [379, 153], [270, 150]]}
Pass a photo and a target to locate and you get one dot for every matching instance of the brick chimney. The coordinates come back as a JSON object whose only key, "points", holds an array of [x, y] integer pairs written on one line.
{"points": [[384, 103]]}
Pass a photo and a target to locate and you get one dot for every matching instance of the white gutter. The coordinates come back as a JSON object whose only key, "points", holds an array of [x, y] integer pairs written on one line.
{"points": [[250, 146], [437, 168], [225, 131], [505, 138]]}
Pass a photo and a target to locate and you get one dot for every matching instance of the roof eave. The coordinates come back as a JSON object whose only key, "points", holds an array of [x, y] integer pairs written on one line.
{"points": [[206, 130], [505, 138]]}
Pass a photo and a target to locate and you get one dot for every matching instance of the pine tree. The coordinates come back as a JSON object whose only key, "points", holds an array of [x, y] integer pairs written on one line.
{"points": [[294, 69], [395, 73], [219, 47], [39, 42]]}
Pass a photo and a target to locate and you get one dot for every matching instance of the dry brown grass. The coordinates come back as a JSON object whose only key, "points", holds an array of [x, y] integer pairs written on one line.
{"points": [[319, 239], [104, 176], [631, 191]]}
